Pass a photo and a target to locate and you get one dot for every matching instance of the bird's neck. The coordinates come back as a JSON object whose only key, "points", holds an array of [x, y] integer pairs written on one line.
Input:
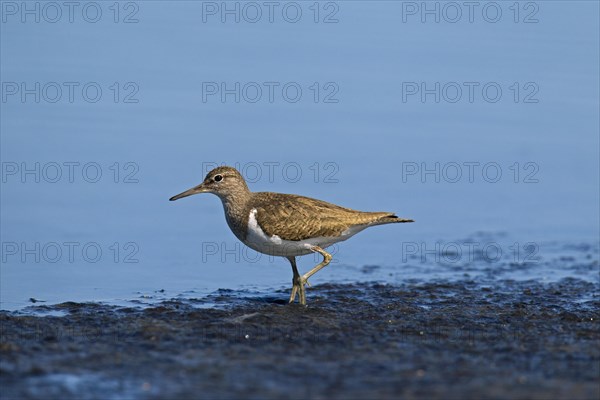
{"points": [[236, 207]]}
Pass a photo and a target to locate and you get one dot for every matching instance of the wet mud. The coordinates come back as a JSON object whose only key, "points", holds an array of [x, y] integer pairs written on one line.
{"points": [[510, 339]]}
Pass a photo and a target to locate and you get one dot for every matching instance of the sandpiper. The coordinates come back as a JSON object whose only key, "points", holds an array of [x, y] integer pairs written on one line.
{"points": [[285, 225]]}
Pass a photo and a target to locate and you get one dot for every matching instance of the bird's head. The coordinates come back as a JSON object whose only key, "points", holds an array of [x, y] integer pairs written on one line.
{"points": [[222, 181]]}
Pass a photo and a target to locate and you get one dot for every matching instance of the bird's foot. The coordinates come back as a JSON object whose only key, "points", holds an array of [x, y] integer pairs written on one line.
{"points": [[298, 289]]}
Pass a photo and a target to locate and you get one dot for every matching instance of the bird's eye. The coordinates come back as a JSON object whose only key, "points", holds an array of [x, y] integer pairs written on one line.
{"points": [[218, 178]]}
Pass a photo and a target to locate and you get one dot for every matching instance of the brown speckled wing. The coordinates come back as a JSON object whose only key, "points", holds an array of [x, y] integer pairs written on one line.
{"points": [[296, 218]]}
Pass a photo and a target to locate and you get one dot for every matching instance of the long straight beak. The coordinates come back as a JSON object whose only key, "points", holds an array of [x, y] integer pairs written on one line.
{"points": [[195, 190]]}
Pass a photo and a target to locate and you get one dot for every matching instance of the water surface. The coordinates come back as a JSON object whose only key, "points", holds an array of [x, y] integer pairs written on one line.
{"points": [[358, 145]]}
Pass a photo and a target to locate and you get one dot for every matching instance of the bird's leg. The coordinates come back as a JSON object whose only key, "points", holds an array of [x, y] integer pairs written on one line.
{"points": [[298, 281], [297, 284], [326, 260]]}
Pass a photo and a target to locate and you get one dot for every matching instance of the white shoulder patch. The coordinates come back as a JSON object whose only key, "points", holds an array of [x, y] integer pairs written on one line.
{"points": [[256, 231]]}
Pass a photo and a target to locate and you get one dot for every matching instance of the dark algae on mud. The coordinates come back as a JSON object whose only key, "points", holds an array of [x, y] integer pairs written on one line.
{"points": [[429, 340]]}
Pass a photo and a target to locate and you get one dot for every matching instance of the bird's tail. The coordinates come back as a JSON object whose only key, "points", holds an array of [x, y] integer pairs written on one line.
{"points": [[394, 218], [389, 218]]}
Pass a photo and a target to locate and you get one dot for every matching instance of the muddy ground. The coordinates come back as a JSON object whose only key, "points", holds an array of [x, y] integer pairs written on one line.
{"points": [[522, 340]]}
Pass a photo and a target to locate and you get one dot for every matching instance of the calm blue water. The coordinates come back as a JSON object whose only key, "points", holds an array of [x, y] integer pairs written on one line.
{"points": [[484, 132]]}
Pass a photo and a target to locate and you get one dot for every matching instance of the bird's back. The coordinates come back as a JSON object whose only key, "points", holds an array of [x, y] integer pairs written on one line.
{"points": [[293, 217]]}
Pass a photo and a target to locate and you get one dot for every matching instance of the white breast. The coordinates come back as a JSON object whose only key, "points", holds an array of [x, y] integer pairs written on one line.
{"points": [[273, 245]]}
